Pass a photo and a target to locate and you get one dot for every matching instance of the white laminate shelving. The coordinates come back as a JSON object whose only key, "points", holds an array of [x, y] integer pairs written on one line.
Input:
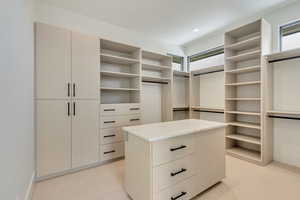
{"points": [[119, 74], [245, 92]]}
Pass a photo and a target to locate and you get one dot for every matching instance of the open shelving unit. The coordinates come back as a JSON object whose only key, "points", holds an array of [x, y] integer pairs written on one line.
{"points": [[245, 91], [120, 73], [205, 104], [157, 75], [181, 84]]}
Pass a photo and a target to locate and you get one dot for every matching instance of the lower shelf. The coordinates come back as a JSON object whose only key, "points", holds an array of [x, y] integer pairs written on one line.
{"points": [[244, 153], [244, 138]]}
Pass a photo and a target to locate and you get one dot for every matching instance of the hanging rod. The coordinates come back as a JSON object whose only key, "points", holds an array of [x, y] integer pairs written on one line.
{"points": [[180, 109], [283, 59], [282, 117], [185, 76], [221, 70], [159, 82], [208, 111]]}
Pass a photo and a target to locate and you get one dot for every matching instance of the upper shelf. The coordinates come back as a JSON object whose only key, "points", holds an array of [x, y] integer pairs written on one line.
{"points": [[154, 56], [283, 112], [243, 83], [157, 79], [245, 56], [119, 74], [155, 67], [284, 55], [245, 44], [179, 73], [117, 59], [117, 47]]}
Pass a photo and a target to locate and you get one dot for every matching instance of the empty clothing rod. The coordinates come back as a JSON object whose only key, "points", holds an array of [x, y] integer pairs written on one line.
{"points": [[180, 109], [209, 111], [155, 82], [221, 70], [283, 59], [282, 117]]}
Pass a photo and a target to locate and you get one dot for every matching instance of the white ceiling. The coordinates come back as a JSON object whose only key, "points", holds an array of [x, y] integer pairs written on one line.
{"points": [[170, 21]]}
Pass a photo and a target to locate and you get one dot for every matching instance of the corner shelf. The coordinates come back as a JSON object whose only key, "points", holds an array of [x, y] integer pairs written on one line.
{"points": [[244, 138]]}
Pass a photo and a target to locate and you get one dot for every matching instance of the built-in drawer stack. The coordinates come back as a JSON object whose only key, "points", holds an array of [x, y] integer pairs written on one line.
{"points": [[113, 118], [175, 168]]}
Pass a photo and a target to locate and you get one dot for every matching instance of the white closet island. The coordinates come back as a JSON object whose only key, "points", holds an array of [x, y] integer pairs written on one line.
{"points": [[173, 160]]}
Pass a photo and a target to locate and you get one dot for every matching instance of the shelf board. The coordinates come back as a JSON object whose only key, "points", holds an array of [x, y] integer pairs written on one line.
{"points": [[119, 89], [245, 56], [244, 113], [245, 44], [245, 153], [155, 67], [245, 125], [183, 74], [243, 99], [244, 70], [283, 112], [244, 138], [244, 83], [208, 109], [119, 74], [117, 59], [181, 108], [155, 56], [153, 78]]}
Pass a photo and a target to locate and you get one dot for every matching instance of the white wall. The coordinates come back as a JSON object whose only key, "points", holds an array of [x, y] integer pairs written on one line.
{"points": [[286, 132], [60, 17], [276, 18], [16, 116]]}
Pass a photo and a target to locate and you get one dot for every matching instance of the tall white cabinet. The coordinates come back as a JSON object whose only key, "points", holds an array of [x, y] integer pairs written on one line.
{"points": [[67, 99]]}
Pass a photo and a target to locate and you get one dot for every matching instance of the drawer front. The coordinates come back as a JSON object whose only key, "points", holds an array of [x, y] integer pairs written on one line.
{"points": [[173, 172], [171, 149], [119, 109], [111, 135], [184, 190], [111, 151], [117, 121]]}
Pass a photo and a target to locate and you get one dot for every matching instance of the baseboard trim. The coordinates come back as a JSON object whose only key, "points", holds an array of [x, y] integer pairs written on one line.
{"points": [[28, 195], [74, 170]]}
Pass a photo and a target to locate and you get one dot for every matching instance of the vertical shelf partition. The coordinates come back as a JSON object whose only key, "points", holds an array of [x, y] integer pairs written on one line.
{"points": [[245, 91]]}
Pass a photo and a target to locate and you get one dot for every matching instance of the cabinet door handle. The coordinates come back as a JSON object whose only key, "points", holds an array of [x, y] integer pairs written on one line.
{"points": [[178, 148], [69, 87], [107, 136], [68, 105], [134, 120], [178, 172], [109, 122], [178, 196], [109, 109], [74, 108], [107, 152], [134, 108], [74, 90]]}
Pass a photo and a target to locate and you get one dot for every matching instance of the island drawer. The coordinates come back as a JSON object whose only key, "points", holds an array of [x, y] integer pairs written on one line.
{"points": [[173, 172], [184, 190], [171, 149], [117, 121], [111, 135], [119, 109], [111, 151]]}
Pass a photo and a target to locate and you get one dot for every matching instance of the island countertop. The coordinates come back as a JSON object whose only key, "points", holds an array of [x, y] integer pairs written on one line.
{"points": [[163, 130]]}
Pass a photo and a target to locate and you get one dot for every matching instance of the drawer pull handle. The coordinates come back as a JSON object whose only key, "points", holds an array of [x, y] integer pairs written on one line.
{"points": [[177, 197], [106, 136], [134, 109], [109, 122], [178, 148], [179, 172], [107, 152], [134, 120], [109, 109]]}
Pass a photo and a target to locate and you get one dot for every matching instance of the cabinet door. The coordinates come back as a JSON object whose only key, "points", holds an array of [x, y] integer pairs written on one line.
{"points": [[53, 62], [53, 136], [85, 127], [85, 66]]}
